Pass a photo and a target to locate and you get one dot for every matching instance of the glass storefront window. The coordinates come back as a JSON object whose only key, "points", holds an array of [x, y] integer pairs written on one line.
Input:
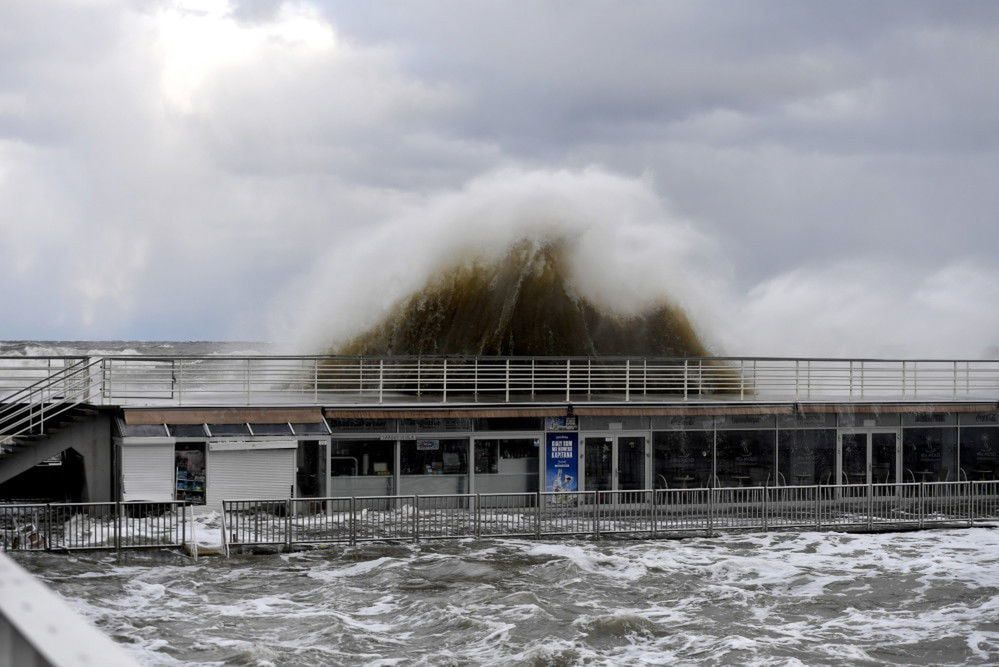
{"points": [[361, 457], [506, 456], [848, 419], [222, 430], [980, 453], [189, 472], [745, 458], [929, 455], [435, 457], [683, 422], [143, 430], [745, 421], [929, 419], [357, 425], [807, 420], [439, 425], [682, 459], [310, 428], [510, 424], [187, 430], [807, 456], [271, 429]]}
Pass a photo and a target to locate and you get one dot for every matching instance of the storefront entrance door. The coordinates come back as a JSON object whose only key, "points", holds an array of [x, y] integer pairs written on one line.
{"points": [[599, 463], [630, 463], [868, 457], [615, 462]]}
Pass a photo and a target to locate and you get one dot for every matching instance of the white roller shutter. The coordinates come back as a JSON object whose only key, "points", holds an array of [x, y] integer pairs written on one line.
{"points": [[147, 469], [250, 470]]}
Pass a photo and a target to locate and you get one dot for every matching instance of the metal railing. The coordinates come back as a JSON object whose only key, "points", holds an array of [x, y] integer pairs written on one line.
{"points": [[28, 410], [295, 522], [38, 628], [301, 380], [93, 526]]}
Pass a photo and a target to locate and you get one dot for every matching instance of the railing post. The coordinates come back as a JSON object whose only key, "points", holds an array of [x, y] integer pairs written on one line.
{"points": [[818, 507], [954, 393], [117, 529], [353, 521], [971, 503], [921, 507], [48, 526], [532, 378], [797, 390], [685, 379], [711, 509], [627, 380], [870, 507], [444, 383], [315, 380], [223, 530], [654, 511], [507, 381], [105, 362], [381, 379], [287, 523], [537, 515], [179, 379], [766, 504], [742, 379], [903, 378], [416, 518], [596, 514], [568, 378], [478, 516]]}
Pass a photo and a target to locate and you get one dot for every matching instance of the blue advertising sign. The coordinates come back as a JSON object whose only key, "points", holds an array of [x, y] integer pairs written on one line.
{"points": [[562, 462]]}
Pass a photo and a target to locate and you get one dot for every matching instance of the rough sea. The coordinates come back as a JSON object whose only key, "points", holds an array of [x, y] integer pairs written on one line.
{"points": [[927, 597]]}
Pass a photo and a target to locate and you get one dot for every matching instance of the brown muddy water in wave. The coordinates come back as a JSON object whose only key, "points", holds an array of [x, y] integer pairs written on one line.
{"points": [[813, 598]]}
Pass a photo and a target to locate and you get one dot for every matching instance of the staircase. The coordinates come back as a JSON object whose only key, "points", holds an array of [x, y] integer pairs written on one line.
{"points": [[32, 419]]}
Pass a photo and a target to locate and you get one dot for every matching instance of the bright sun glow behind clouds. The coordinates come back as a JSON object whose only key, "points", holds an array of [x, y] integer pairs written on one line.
{"points": [[196, 39]]}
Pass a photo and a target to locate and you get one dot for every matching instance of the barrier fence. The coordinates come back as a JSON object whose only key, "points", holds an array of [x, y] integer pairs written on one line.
{"points": [[663, 512], [93, 526], [296, 522]]}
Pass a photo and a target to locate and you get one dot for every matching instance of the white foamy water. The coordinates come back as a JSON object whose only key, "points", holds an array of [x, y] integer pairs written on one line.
{"points": [[810, 598]]}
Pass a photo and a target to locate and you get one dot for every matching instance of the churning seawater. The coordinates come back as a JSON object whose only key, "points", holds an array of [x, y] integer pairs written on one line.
{"points": [[779, 598]]}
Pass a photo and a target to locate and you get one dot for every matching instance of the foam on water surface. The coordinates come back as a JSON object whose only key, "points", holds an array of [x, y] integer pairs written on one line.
{"points": [[808, 598]]}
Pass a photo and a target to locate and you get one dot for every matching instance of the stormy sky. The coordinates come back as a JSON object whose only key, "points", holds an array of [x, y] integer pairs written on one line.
{"points": [[816, 178]]}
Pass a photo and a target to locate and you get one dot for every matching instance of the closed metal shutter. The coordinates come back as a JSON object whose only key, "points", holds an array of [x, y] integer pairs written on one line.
{"points": [[250, 470], [147, 470]]}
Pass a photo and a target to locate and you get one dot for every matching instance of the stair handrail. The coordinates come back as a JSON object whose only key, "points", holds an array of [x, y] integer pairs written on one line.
{"points": [[31, 388], [14, 417]]}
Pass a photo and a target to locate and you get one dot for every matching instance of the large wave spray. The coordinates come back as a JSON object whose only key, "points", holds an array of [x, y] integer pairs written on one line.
{"points": [[611, 240]]}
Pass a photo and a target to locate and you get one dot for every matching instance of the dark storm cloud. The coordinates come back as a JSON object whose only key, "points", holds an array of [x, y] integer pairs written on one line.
{"points": [[836, 153]]}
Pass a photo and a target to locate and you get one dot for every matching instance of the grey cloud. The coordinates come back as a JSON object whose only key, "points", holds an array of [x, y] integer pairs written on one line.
{"points": [[796, 135]]}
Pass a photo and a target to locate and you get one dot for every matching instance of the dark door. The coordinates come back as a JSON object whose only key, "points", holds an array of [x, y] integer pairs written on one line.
{"points": [[884, 458], [853, 458], [599, 461], [630, 463]]}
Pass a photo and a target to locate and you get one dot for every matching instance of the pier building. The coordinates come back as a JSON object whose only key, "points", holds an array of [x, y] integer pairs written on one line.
{"points": [[214, 428]]}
